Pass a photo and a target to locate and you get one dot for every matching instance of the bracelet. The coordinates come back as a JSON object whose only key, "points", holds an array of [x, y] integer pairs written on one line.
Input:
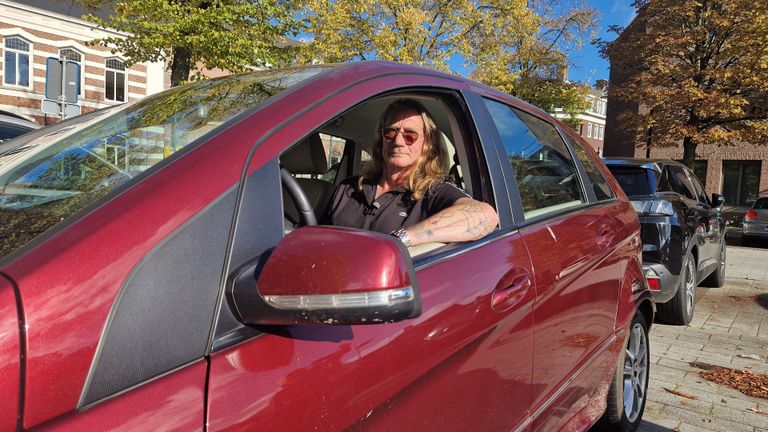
{"points": [[403, 236]]}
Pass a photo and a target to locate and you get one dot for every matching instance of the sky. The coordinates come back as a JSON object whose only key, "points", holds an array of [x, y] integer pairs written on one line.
{"points": [[586, 63]]}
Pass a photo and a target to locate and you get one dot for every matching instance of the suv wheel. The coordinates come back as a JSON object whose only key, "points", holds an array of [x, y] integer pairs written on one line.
{"points": [[679, 309], [628, 391], [717, 278]]}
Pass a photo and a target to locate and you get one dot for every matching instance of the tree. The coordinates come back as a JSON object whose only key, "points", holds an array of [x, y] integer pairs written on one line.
{"points": [[698, 69], [513, 45], [529, 67], [426, 33], [232, 35]]}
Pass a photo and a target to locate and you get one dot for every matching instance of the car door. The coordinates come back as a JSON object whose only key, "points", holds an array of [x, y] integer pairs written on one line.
{"points": [[697, 218], [710, 256], [463, 364], [571, 237]]}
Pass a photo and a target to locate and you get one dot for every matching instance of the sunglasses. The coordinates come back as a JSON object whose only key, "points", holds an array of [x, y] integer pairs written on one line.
{"points": [[390, 133]]}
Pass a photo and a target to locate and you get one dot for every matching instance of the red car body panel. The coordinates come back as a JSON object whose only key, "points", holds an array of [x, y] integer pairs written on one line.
{"points": [[173, 402], [418, 372], [10, 357]]}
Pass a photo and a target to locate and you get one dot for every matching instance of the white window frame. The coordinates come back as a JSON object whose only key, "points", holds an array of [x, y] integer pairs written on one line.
{"points": [[82, 68], [18, 52], [600, 132], [117, 73], [589, 130]]}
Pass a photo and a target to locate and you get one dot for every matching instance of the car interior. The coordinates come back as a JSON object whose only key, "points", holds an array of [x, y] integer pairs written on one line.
{"points": [[342, 147]]}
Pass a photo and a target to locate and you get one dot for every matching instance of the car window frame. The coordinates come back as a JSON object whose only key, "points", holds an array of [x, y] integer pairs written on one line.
{"points": [[589, 186]]}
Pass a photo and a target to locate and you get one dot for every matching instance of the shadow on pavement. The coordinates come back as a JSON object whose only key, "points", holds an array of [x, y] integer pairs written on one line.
{"points": [[646, 426], [733, 238], [762, 300]]}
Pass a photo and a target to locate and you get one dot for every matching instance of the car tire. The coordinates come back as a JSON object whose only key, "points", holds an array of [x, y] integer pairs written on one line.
{"points": [[717, 278], [679, 309], [629, 387]]}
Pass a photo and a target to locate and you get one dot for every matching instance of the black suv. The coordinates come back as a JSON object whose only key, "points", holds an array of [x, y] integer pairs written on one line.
{"points": [[682, 231]]}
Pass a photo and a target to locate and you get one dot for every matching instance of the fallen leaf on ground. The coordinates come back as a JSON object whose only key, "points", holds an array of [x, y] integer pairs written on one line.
{"points": [[749, 383], [758, 411], [681, 394], [750, 356]]}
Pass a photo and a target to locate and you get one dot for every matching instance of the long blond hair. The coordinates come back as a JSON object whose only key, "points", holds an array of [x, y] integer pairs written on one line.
{"points": [[428, 168]]}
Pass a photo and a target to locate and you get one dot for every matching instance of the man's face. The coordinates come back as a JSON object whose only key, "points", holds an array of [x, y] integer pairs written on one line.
{"points": [[404, 149]]}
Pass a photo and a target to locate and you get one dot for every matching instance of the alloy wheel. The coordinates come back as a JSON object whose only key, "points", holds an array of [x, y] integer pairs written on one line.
{"points": [[690, 286], [635, 372]]}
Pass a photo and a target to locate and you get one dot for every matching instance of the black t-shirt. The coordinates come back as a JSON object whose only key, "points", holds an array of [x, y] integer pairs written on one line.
{"points": [[357, 208]]}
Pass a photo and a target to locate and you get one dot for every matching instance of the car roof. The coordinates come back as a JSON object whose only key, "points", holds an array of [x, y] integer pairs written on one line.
{"points": [[654, 164], [17, 120]]}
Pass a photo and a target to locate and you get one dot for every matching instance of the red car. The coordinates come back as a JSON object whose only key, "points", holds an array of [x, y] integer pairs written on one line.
{"points": [[161, 268]]}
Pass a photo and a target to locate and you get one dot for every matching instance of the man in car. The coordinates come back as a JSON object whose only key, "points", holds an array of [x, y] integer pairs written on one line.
{"points": [[405, 193]]}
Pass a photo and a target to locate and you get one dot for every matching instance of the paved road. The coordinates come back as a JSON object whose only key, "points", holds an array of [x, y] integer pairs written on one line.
{"points": [[730, 328]]}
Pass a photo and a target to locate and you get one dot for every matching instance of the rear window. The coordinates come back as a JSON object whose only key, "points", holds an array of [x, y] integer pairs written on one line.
{"points": [[761, 203], [634, 181]]}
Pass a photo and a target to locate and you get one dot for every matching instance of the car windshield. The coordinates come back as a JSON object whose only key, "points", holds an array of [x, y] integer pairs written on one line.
{"points": [[634, 181], [63, 168], [761, 204]]}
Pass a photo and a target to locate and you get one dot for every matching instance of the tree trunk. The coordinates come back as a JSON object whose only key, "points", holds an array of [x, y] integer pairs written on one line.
{"points": [[689, 152], [180, 65]]}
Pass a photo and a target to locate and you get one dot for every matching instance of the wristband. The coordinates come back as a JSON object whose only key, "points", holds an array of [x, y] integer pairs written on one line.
{"points": [[403, 236]]}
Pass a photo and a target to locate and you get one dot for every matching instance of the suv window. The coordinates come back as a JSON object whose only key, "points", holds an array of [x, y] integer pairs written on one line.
{"points": [[697, 187], [545, 172], [633, 180], [680, 183], [599, 185], [761, 203]]}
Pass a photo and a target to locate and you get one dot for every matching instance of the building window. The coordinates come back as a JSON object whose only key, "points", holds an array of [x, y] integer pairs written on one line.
{"points": [[589, 130], [600, 132], [16, 62], [75, 57], [114, 83], [741, 182]]}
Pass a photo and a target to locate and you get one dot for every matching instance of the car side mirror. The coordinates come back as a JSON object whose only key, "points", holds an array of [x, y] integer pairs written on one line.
{"points": [[717, 200], [329, 275]]}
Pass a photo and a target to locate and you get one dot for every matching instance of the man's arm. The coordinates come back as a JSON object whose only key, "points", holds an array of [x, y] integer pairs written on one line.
{"points": [[467, 219]]}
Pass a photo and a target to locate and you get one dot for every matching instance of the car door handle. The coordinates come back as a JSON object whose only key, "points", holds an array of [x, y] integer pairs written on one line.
{"points": [[604, 236], [511, 289]]}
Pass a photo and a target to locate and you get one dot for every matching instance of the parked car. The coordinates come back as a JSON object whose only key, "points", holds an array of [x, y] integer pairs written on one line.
{"points": [[755, 224], [154, 273], [682, 230], [13, 125]]}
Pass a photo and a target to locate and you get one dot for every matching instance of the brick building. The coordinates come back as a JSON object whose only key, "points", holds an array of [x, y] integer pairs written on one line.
{"points": [[738, 171], [32, 31]]}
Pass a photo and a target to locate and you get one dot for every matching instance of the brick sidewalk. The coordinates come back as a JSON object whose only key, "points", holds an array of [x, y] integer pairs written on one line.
{"points": [[730, 328]]}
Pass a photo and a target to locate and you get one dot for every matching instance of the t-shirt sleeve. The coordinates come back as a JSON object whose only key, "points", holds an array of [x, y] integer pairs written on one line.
{"points": [[442, 196]]}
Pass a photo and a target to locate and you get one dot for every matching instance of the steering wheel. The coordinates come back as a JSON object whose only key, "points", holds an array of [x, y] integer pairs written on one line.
{"points": [[306, 212]]}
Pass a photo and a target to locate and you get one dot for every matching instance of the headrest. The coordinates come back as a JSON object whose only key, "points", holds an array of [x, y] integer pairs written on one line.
{"points": [[306, 157], [446, 150]]}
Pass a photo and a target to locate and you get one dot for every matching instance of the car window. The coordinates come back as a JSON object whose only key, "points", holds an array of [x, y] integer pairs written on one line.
{"points": [[8, 131], [761, 204], [633, 180], [697, 188], [680, 183], [47, 179], [599, 185], [545, 172]]}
